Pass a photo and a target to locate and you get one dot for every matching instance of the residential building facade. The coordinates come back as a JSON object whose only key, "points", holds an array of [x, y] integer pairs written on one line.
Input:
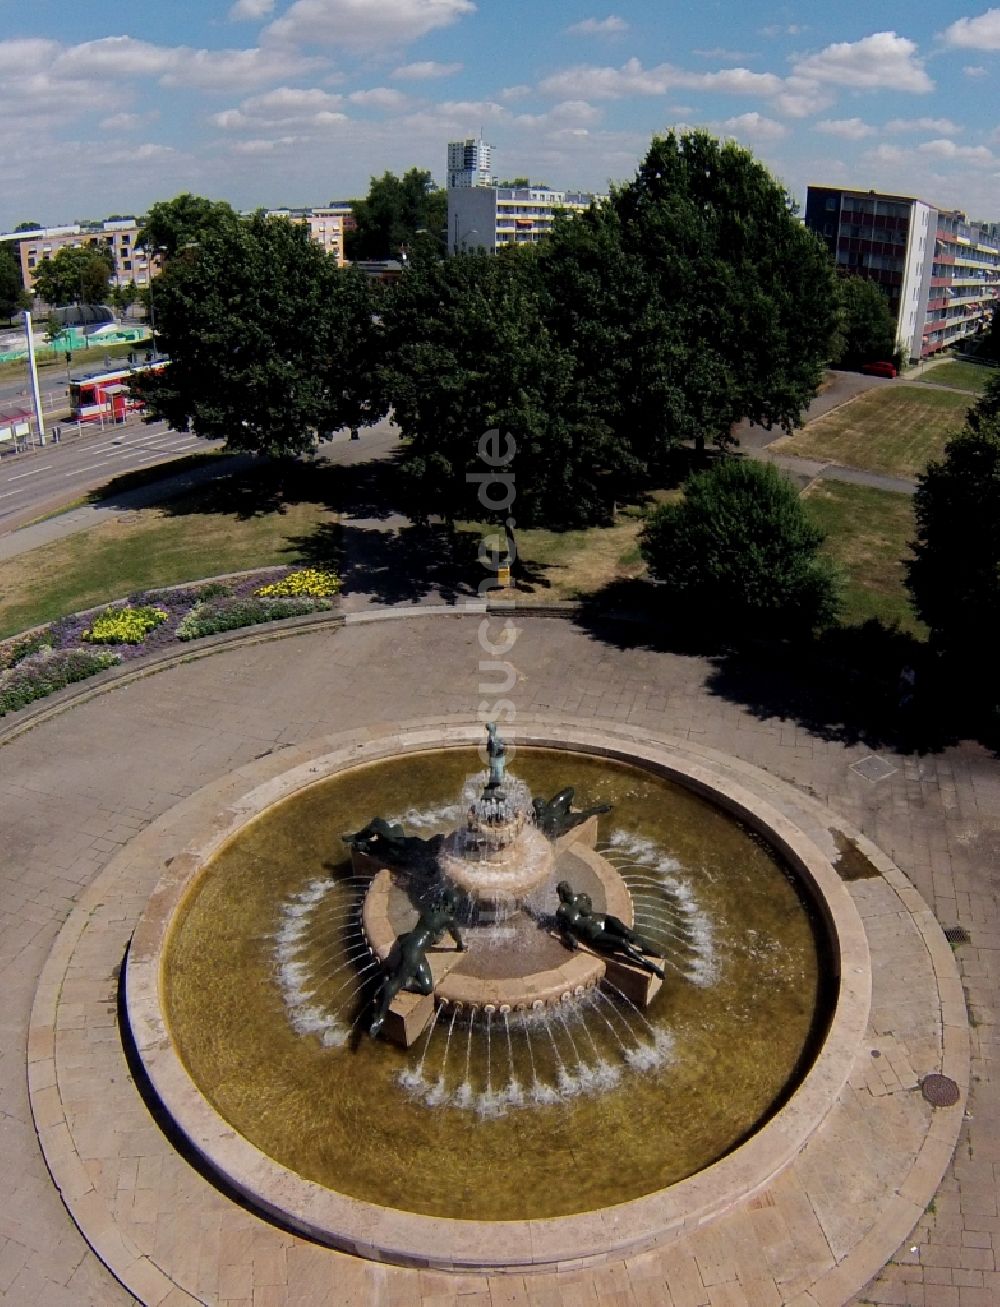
{"points": [[326, 225], [469, 163], [940, 273], [130, 262]]}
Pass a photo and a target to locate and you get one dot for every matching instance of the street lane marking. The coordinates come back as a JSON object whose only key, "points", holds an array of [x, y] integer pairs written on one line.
{"points": [[21, 475]]}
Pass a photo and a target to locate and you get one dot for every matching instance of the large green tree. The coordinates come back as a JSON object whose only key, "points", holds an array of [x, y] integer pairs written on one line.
{"points": [[12, 296], [399, 214], [954, 575], [738, 553], [75, 275], [170, 225], [264, 334], [714, 304], [468, 351], [866, 328]]}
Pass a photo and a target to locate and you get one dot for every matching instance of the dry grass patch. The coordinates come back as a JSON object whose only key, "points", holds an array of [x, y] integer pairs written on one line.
{"points": [[895, 429]]}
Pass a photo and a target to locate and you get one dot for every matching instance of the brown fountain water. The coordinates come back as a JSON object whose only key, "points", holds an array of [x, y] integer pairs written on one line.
{"points": [[492, 1114]]}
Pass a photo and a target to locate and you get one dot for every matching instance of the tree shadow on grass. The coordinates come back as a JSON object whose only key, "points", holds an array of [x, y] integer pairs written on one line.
{"points": [[373, 488], [845, 685]]}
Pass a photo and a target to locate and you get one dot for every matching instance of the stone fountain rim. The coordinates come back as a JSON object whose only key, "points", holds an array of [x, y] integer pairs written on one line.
{"points": [[216, 813]]}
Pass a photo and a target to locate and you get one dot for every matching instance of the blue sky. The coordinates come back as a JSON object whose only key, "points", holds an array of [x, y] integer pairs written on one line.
{"points": [[110, 106]]}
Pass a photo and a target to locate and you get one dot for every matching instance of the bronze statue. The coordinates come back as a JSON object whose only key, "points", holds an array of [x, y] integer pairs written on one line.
{"points": [[579, 923], [406, 967], [497, 752], [553, 816], [388, 842]]}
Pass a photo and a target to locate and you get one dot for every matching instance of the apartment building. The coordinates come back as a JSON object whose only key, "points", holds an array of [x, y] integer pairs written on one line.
{"points": [[326, 225], [940, 272], [469, 163], [130, 262]]}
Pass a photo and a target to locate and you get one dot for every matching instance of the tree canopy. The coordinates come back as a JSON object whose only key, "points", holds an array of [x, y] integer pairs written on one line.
{"points": [[399, 213], [12, 296], [468, 350], [267, 339], [740, 555], [866, 329], [172, 224], [689, 301], [954, 576], [75, 275]]}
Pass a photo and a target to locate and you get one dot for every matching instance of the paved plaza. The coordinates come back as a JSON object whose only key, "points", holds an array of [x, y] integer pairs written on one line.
{"points": [[85, 779]]}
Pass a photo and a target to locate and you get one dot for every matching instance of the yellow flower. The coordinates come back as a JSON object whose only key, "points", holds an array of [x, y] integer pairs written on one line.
{"points": [[310, 581]]}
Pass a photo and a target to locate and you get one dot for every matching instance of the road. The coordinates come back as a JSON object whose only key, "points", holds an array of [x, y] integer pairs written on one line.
{"points": [[41, 480]]}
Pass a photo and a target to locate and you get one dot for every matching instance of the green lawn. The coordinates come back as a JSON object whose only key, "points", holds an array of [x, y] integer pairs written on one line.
{"points": [[959, 375], [148, 547], [867, 534], [895, 429], [244, 522]]}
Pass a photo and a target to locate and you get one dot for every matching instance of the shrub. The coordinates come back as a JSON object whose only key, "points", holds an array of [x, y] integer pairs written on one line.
{"points": [[124, 625], [309, 581], [44, 675], [17, 650], [739, 554], [229, 614]]}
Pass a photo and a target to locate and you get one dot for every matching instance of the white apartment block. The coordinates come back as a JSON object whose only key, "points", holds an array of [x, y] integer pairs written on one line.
{"points": [[469, 163], [489, 217]]}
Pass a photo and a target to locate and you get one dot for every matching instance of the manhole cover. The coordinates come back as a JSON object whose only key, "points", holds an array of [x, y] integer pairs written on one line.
{"points": [[873, 768], [940, 1091], [957, 935]]}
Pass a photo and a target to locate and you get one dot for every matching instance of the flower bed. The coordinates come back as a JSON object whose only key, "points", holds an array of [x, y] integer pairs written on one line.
{"points": [[49, 670], [126, 625], [229, 614], [37, 664]]}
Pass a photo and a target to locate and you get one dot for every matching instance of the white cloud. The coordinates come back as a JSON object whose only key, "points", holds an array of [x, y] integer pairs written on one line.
{"points": [[943, 126], [424, 70], [755, 126], [515, 92], [124, 57], [849, 129], [796, 96], [974, 70], [945, 149], [251, 9], [610, 26], [886, 153], [283, 108], [982, 33], [222, 70], [881, 62], [380, 97], [363, 24], [782, 29], [731, 56]]}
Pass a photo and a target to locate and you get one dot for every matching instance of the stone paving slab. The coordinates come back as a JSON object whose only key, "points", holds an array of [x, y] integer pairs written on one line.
{"points": [[79, 784]]}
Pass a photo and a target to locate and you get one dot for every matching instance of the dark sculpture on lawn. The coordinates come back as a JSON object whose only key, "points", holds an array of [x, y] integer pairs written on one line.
{"points": [[406, 967], [578, 924], [388, 842], [554, 818]]}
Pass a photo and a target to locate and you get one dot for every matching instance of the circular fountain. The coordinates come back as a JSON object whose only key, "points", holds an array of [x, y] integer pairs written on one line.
{"points": [[253, 980]]}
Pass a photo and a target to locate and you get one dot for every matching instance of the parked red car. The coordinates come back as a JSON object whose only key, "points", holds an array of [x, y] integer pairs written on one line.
{"points": [[879, 370]]}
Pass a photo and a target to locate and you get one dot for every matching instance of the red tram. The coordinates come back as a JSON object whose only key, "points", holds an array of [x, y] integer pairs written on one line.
{"points": [[106, 394]]}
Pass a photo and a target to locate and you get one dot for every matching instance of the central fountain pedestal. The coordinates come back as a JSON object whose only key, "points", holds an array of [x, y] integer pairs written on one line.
{"points": [[515, 964]]}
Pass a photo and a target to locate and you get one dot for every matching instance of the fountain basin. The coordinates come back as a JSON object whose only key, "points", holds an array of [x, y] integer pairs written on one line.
{"points": [[414, 1237]]}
